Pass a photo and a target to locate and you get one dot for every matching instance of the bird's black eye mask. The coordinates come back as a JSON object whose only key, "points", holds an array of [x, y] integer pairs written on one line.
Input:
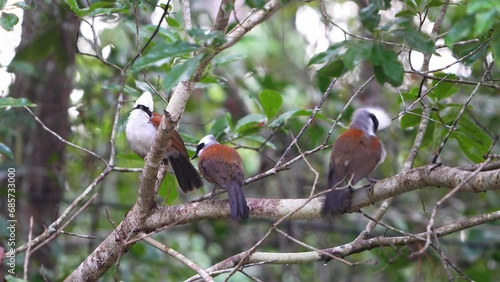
{"points": [[198, 149], [145, 109], [375, 122]]}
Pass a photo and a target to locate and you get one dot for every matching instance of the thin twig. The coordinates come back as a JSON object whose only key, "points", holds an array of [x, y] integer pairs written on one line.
{"points": [[54, 226], [78, 235], [430, 225], [180, 257], [297, 241], [457, 81], [150, 39], [64, 140], [308, 123], [354, 95], [28, 252], [459, 115], [59, 230]]}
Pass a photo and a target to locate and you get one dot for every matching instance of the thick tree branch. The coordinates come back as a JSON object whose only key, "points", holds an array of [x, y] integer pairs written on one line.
{"points": [[357, 246], [223, 15], [253, 18], [418, 178]]}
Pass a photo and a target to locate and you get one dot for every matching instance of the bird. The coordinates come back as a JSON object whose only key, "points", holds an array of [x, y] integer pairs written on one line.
{"points": [[140, 130], [222, 166], [355, 154]]}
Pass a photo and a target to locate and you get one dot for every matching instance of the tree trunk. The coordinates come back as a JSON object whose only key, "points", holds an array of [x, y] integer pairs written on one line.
{"points": [[47, 44]]}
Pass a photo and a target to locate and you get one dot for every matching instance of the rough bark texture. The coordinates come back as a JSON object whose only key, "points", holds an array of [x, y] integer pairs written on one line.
{"points": [[48, 44]]}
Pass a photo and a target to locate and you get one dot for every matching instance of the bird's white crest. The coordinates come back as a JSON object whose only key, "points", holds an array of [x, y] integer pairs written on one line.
{"points": [[208, 140], [384, 120], [146, 99]]}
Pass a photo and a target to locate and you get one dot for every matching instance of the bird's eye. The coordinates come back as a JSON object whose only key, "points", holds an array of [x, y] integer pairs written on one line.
{"points": [[200, 146], [375, 122]]}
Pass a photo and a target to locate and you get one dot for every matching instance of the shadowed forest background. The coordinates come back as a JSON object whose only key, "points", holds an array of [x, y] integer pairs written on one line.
{"points": [[278, 81]]}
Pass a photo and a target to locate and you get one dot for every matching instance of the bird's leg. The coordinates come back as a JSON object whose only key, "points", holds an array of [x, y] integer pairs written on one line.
{"points": [[213, 192], [371, 180]]}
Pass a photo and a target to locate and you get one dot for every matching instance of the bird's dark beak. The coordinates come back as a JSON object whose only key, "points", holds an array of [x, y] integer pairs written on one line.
{"points": [[198, 149]]}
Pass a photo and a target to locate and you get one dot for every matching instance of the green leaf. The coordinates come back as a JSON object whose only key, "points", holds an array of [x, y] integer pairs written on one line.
{"points": [[168, 189], [164, 51], [259, 140], [332, 52], [101, 8], [181, 72], [4, 150], [405, 13], [369, 16], [411, 119], [270, 101], [481, 140], [214, 38], [379, 74], [334, 68], [2, 4], [172, 22], [394, 72], [476, 6], [433, 3], [459, 30], [223, 60], [356, 54], [495, 44], [378, 54], [10, 278], [484, 21], [250, 123], [170, 35], [429, 132], [24, 5], [73, 5], [15, 102], [259, 4], [387, 67], [220, 125], [417, 40], [466, 50], [473, 142], [283, 118], [8, 21], [412, 4], [410, 96], [468, 147], [444, 89]]}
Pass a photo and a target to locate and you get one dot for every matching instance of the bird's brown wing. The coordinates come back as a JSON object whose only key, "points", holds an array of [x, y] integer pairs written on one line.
{"points": [[155, 119], [176, 142], [345, 147], [365, 159], [223, 169], [187, 176]]}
